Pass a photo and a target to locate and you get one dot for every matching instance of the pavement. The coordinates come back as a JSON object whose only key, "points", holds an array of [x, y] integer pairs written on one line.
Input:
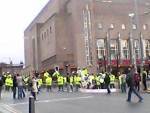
{"points": [[76, 102]]}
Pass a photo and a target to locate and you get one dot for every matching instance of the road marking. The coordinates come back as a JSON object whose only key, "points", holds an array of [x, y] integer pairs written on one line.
{"points": [[53, 100], [9, 108]]}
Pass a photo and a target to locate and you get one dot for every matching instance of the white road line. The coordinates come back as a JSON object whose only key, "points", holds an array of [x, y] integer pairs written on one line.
{"points": [[54, 100], [9, 109]]}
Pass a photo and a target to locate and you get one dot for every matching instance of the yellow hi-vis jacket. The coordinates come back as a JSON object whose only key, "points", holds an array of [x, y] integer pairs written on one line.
{"points": [[112, 79], [71, 80], [60, 80], [48, 81], [40, 82], [77, 80]]}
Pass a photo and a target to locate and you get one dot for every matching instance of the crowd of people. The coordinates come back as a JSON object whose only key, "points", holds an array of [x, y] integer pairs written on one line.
{"points": [[71, 82]]}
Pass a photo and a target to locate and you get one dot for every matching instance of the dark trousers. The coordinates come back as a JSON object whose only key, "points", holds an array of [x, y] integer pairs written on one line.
{"points": [[77, 87], [112, 86], [108, 89], [34, 95], [137, 86], [60, 88], [14, 92], [123, 87], [49, 88], [21, 92], [145, 85], [132, 89]]}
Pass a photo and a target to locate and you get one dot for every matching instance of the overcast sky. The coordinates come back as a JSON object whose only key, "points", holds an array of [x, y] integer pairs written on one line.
{"points": [[15, 16]]}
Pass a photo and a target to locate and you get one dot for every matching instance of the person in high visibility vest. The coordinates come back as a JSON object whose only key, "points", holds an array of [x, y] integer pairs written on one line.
{"points": [[77, 80], [102, 77], [40, 83], [98, 82], [71, 82], [7, 83], [60, 81], [144, 79], [122, 82], [112, 81], [49, 83]]}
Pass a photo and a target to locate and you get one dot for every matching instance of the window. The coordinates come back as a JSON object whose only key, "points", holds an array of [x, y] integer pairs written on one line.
{"points": [[134, 27], [47, 32], [50, 29], [44, 35], [124, 49], [113, 49], [145, 26], [112, 26], [137, 49], [101, 51], [123, 27], [100, 26], [147, 49]]}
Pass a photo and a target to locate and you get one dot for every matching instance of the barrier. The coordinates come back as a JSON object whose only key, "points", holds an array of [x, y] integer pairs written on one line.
{"points": [[31, 104]]}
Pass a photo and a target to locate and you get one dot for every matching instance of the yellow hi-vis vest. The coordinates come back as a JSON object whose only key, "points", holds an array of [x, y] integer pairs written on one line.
{"points": [[112, 79], [77, 80], [48, 81], [98, 80], [11, 82], [40, 82], [46, 74], [60, 80], [7, 82], [71, 80]]}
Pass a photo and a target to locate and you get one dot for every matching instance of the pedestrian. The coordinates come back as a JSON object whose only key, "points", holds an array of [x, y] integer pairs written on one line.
{"points": [[122, 81], [34, 87], [144, 78], [21, 93], [107, 83], [131, 84], [14, 86], [1, 85], [137, 79]]}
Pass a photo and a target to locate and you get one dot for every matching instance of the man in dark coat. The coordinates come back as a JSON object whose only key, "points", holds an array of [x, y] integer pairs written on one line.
{"points": [[131, 84], [107, 83], [14, 86]]}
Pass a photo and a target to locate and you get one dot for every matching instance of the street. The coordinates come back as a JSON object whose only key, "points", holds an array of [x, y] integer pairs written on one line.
{"points": [[63, 102]]}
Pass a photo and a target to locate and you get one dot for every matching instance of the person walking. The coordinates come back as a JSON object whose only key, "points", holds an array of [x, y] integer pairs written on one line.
{"points": [[34, 88], [20, 84], [137, 79], [14, 86], [131, 84], [144, 78], [1, 85], [107, 83]]}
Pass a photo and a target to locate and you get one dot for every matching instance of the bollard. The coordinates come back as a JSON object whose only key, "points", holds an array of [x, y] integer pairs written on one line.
{"points": [[31, 104]]}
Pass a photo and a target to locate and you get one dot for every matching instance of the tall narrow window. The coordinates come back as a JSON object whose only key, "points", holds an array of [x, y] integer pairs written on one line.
{"points": [[137, 48], [147, 49], [101, 51], [113, 49], [124, 49]]}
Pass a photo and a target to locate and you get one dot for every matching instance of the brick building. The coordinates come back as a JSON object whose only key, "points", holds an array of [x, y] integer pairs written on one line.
{"points": [[89, 33]]}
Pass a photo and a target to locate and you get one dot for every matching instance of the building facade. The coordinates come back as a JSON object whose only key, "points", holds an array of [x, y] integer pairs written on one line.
{"points": [[96, 34]]}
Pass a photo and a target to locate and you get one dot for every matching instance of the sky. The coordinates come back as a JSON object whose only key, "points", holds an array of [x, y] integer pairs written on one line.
{"points": [[15, 16]]}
